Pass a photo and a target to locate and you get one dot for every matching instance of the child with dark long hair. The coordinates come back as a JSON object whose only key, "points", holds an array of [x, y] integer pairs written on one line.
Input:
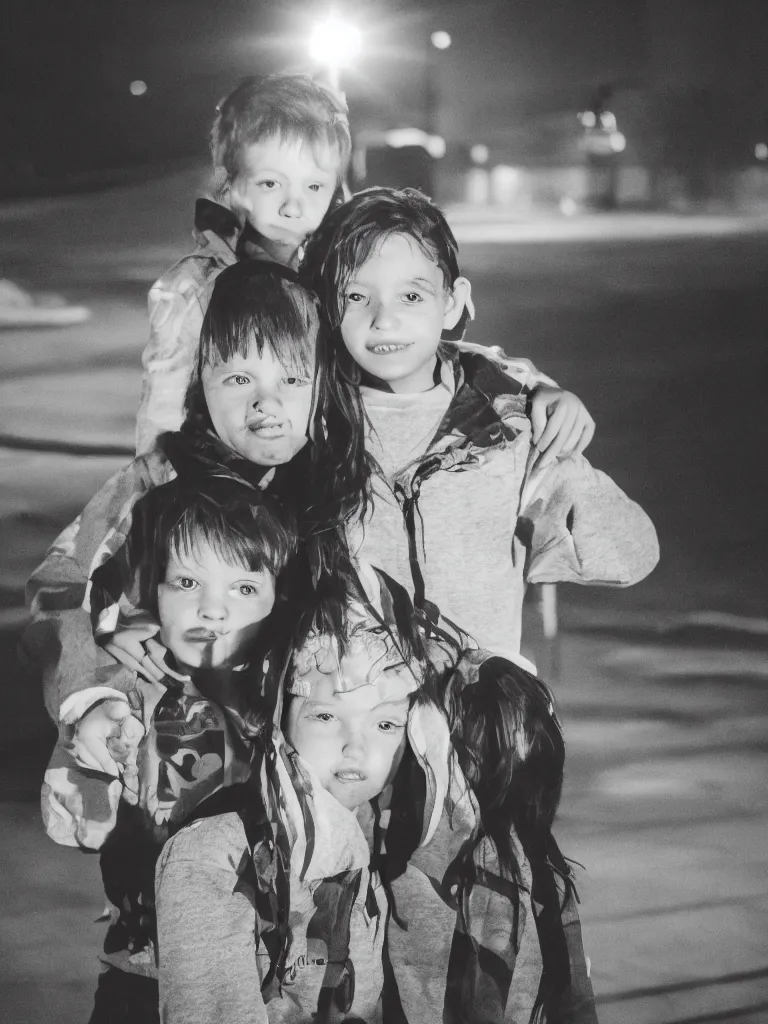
{"points": [[484, 925], [464, 512]]}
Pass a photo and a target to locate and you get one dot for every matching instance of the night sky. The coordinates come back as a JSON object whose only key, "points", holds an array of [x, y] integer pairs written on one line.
{"points": [[514, 66]]}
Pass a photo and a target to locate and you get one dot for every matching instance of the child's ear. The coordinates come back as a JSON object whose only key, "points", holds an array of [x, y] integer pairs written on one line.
{"points": [[459, 299]]}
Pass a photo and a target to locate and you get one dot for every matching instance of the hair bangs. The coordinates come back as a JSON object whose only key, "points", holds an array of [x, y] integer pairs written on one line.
{"points": [[249, 536], [252, 306]]}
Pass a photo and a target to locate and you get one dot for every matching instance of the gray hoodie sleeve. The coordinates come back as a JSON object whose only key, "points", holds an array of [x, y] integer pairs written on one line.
{"points": [[206, 942], [578, 526]]}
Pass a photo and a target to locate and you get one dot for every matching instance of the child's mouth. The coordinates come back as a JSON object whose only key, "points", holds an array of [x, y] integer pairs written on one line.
{"points": [[387, 348], [350, 775], [201, 636], [266, 428]]}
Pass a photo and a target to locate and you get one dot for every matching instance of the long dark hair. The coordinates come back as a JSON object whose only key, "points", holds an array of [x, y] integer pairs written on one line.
{"points": [[510, 748]]}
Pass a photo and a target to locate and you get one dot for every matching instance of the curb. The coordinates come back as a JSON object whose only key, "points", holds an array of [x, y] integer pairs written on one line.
{"points": [[35, 444]]}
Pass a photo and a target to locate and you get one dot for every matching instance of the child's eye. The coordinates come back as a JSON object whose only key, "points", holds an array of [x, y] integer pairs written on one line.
{"points": [[355, 297], [315, 188], [186, 583], [412, 297], [295, 382], [248, 589], [390, 726], [324, 716], [239, 379], [267, 184]]}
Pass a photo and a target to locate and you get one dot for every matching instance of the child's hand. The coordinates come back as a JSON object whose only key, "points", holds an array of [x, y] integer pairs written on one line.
{"points": [[133, 644], [124, 748], [95, 730], [561, 424], [124, 743]]}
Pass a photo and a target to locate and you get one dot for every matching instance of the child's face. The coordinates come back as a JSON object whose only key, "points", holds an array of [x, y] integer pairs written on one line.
{"points": [[211, 611], [285, 187], [353, 740], [258, 407], [395, 309]]}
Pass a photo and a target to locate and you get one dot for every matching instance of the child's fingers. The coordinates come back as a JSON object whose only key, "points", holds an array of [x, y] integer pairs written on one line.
{"points": [[554, 426], [127, 647], [132, 731], [156, 655], [554, 448], [571, 440], [93, 753], [586, 437]]}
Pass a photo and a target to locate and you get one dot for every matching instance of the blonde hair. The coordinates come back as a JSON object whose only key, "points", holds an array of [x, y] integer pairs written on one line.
{"points": [[291, 106]]}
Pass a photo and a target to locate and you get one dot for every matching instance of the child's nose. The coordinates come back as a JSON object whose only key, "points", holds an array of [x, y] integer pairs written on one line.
{"points": [[292, 205], [353, 743], [212, 606], [264, 396], [384, 316]]}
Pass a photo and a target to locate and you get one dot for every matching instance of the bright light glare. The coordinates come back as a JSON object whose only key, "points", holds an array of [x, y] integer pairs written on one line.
{"points": [[761, 151], [441, 40], [335, 42], [137, 87], [587, 118], [618, 142], [479, 154], [608, 120]]}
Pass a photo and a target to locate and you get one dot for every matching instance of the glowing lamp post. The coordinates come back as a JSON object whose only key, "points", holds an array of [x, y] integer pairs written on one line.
{"points": [[334, 43]]}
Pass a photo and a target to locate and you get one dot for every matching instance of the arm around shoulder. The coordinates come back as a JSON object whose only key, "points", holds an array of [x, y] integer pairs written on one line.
{"points": [[59, 641], [579, 526]]}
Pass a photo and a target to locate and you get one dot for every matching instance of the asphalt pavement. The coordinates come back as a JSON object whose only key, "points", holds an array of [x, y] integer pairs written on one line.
{"points": [[663, 689]]}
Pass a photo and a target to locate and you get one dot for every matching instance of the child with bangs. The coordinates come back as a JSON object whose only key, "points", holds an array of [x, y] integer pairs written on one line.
{"points": [[374, 871], [464, 508], [212, 558], [280, 145]]}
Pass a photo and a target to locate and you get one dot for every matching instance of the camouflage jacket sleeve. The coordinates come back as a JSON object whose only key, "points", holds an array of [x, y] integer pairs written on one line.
{"points": [[176, 306], [59, 641], [578, 526], [518, 368]]}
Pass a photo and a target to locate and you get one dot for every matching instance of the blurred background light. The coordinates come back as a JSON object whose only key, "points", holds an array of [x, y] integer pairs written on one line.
{"points": [[761, 151], [441, 40], [137, 87], [587, 118], [479, 154], [334, 41], [399, 138]]}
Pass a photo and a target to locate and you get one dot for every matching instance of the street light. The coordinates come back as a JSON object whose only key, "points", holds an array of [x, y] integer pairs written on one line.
{"points": [[334, 42]]}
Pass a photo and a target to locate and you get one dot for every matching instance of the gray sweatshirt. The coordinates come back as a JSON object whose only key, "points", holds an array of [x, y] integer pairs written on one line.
{"points": [[483, 522], [210, 966]]}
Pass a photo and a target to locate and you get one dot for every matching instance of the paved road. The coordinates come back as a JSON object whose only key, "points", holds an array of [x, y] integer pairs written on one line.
{"points": [[666, 708]]}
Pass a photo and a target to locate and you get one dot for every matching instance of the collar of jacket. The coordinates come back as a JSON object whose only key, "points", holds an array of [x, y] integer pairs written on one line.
{"points": [[219, 220], [212, 216]]}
